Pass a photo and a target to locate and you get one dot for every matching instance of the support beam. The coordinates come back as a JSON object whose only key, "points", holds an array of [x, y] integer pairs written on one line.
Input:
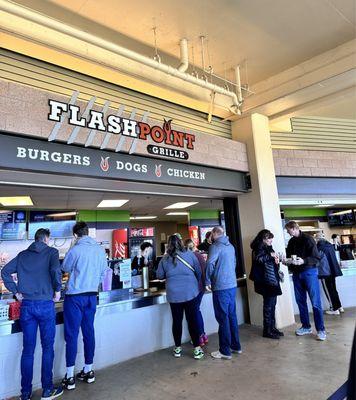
{"points": [[259, 209]]}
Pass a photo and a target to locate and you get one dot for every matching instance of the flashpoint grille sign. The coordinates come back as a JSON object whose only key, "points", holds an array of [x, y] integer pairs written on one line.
{"points": [[35, 155], [127, 128]]}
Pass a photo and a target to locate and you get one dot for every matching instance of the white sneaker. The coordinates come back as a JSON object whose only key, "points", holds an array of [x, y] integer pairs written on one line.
{"points": [[220, 356], [236, 351], [341, 309], [321, 335], [332, 312], [177, 352]]}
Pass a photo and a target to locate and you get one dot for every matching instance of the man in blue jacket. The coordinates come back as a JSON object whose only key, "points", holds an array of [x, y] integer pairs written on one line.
{"points": [[86, 263], [221, 279], [38, 286]]}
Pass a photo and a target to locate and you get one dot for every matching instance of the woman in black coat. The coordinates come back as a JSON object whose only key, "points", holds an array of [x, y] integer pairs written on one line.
{"points": [[265, 275], [329, 282]]}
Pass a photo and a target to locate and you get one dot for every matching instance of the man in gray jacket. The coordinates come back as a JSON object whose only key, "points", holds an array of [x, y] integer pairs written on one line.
{"points": [[221, 279], [86, 263]]}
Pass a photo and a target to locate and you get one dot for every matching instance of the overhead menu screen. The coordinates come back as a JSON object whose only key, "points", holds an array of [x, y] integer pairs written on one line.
{"points": [[13, 225], [60, 223]]}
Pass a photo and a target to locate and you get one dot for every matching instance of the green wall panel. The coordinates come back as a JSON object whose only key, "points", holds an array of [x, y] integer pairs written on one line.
{"points": [[86, 216], [103, 216], [204, 214], [304, 212]]}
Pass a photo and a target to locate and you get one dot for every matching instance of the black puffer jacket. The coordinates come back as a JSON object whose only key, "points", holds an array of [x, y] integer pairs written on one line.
{"points": [[264, 272], [328, 249]]}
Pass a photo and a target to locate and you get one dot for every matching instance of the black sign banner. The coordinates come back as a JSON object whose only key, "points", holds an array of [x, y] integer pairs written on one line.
{"points": [[20, 153]]}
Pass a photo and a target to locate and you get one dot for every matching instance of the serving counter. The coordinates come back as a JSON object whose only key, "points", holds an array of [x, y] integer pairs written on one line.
{"points": [[126, 326]]}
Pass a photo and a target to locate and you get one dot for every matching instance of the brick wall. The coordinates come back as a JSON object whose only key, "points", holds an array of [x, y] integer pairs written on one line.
{"points": [[24, 110], [314, 163]]}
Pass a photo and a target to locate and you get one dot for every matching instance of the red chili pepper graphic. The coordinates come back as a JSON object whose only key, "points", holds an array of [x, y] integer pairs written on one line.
{"points": [[167, 127], [158, 170], [104, 164]]}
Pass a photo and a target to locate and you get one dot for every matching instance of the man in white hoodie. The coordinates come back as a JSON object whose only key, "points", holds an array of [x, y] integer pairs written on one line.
{"points": [[86, 263]]}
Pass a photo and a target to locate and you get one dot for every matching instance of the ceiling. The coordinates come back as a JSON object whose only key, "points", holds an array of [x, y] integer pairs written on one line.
{"points": [[268, 36], [139, 204]]}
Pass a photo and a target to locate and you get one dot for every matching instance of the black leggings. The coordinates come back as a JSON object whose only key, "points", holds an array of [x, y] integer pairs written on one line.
{"points": [[269, 311], [190, 308], [331, 293]]}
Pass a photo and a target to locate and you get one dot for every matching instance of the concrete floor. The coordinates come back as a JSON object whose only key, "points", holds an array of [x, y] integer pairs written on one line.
{"points": [[292, 368]]}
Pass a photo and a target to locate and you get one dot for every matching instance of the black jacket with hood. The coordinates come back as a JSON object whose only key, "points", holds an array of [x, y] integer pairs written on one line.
{"points": [[329, 251]]}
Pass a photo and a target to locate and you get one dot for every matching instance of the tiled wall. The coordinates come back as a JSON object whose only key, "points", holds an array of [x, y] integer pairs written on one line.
{"points": [[314, 163], [24, 110]]}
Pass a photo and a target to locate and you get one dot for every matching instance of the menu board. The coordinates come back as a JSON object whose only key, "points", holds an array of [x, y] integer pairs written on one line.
{"points": [[60, 223], [13, 225]]}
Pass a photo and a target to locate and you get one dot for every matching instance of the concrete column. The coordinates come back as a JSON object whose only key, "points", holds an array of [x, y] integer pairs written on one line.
{"points": [[259, 209]]}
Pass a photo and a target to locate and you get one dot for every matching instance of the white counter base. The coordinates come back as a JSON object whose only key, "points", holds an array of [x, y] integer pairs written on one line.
{"points": [[119, 336]]}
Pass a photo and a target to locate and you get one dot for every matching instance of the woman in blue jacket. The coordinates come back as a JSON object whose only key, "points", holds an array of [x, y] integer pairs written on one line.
{"points": [[264, 274], [182, 272]]}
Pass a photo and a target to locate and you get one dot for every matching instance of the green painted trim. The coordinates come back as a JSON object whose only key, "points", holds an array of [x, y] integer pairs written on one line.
{"points": [[86, 215], [103, 216], [113, 216], [204, 214], [304, 212]]}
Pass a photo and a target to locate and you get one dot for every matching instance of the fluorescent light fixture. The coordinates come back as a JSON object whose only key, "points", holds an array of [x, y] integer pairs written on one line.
{"points": [[16, 201], [112, 203], [144, 217], [317, 201], [324, 205], [178, 213], [342, 212], [63, 214], [180, 205]]}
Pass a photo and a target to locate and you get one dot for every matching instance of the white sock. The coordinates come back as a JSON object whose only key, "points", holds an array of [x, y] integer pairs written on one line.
{"points": [[88, 368], [70, 372]]}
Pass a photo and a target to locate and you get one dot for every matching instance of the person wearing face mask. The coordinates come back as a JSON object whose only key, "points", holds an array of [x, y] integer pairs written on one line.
{"points": [[265, 275]]}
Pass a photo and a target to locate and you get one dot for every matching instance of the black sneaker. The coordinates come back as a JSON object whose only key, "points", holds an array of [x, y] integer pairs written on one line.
{"points": [[277, 332], [68, 383], [88, 377], [270, 335]]}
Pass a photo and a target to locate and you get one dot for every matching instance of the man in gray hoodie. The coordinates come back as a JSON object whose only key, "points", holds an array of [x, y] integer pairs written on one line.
{"points": [[221, 279], [39, 282], [86, 263]]}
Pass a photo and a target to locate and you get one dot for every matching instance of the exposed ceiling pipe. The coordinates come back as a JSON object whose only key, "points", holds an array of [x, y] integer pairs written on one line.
{"points": [[51, 23], [238, 84], [184, 58]]}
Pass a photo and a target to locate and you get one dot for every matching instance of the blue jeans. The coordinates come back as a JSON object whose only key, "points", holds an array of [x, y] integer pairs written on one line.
{"points": [[308, 282], [79, 312], [225, 313], [34, 314], [200, 320]]}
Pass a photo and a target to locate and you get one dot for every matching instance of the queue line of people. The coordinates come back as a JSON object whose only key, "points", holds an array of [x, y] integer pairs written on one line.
{"points": [[38, 286], [309, 260], [188, 275]]}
